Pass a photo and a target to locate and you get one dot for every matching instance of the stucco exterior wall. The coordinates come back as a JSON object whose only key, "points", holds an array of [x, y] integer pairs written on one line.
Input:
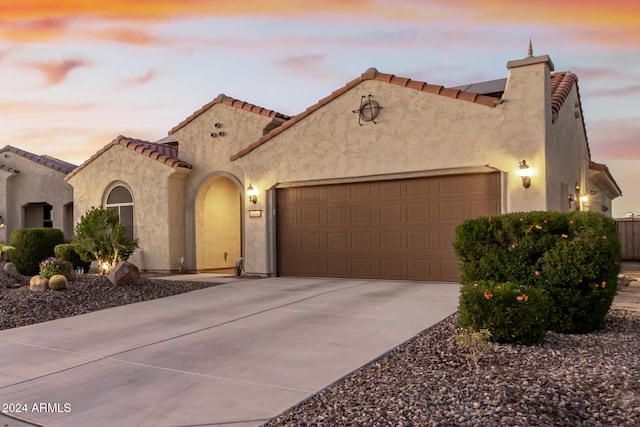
{"points": [[34, 183], [4, 184], [156, 191], [567, 157], [210, 158], [415, 131]]}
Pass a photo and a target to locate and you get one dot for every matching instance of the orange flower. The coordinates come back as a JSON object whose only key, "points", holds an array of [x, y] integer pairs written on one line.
{"points": [[615, 262], [604, 285], [545, 221], [490, 323], [579, 280], [537, 273], [519, 298], [564, 236], [571, 222], [522, 297], [487, 294], [604, 237], [538, 226]]}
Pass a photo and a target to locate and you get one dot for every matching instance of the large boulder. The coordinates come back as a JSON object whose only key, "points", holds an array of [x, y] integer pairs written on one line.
{"points": [[38, 283], [11, 270], [125, 273]]}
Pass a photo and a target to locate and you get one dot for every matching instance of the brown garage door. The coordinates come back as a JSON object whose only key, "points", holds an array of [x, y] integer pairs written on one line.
{"points": [[396, 229]]}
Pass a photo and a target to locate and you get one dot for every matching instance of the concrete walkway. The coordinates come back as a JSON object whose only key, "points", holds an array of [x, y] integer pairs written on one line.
{"points": [[231, 355]]}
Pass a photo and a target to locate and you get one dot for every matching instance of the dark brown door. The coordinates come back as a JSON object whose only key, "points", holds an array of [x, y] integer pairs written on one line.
{"points": [[396, 229]]}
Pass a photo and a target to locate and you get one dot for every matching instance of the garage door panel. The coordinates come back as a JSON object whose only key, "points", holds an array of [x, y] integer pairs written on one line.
{"points": [[361, 268], [336, 240], [451, 211], [419, 269], [391, 213], [361, 240], [418, 240], [418, 212], [397, 229], [391, 240], [336, 215], [337, 267], [391, 268], [310, 241], [362, 190], [336, 192], [483, 207], [361, 214]]}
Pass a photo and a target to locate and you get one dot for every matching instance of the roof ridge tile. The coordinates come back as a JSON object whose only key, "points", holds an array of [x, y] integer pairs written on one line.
{"points": [[237, 103]]}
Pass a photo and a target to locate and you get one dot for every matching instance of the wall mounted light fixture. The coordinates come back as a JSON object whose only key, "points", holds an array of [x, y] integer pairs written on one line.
{"points": [[525, 173], [1, 222], [252, 193]]}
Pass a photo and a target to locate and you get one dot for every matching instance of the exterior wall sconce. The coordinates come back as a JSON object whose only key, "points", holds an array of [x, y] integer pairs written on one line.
{"points": [[252, 193], [1, 222], [525, 173]]}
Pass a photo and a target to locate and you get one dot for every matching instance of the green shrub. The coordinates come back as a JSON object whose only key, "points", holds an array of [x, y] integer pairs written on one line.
{"points": [[58, 282], [514, 314], [100, 237], [33, 245], [52, 266], [67, 252], [574, 257]]}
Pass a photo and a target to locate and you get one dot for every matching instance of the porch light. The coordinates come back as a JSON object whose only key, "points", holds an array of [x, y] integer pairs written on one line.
{"points": [[525, 173], [252, 193], [584, 198]]}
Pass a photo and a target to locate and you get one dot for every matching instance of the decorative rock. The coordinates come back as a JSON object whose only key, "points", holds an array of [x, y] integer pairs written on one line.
{"points": [[125, 273], [10, 269], [38, 284]]}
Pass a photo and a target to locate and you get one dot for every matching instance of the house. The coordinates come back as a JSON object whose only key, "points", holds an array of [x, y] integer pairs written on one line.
{"points": [[368, 182], [33, 192]]}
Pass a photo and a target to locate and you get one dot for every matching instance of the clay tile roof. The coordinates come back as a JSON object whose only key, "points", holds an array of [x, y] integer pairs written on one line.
{"points": [[48, 161], [166, 153], [370, 74], [599, 167], [561, 85], [223, 99]]}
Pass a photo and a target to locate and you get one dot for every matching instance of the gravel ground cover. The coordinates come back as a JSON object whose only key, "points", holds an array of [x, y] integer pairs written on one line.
{"points": [[570, 380], [86, 293]]}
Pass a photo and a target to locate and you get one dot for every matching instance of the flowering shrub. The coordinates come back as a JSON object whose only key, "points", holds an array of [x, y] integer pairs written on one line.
{"points": [[53, 266], [512, 313], [574, 257]]}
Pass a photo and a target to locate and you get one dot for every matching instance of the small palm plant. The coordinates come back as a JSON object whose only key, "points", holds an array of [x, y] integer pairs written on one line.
{"points": [[4, 248], [100, 237]]}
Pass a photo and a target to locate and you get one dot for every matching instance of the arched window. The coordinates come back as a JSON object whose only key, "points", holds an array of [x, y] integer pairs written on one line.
{"points": [[120, 200]]}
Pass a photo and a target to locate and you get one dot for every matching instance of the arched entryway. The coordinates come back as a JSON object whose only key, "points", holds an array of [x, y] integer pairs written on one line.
{"points": [[218, 224]]}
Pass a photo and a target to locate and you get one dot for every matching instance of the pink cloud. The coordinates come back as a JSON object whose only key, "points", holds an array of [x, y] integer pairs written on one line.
{"points": [[615, 139], [56, 72], [128, 36], [143, 79], [310, 65]]}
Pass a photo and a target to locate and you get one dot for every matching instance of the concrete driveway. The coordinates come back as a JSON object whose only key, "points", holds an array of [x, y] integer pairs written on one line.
{"points": [[231, 355]]}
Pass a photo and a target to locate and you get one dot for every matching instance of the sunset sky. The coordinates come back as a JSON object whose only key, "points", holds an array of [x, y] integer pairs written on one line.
{"points": [[75, 74]]}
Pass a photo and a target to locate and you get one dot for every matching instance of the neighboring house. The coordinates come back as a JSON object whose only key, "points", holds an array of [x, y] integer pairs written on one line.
{"points": [[33, 192], [369, 182]]}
